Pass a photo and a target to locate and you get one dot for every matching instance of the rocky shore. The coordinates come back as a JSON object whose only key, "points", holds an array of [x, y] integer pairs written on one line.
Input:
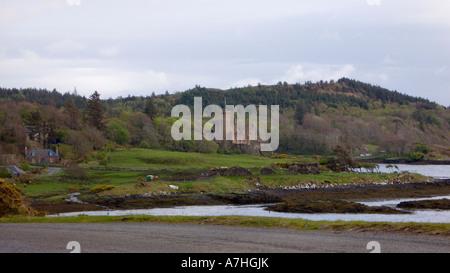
{"points": [[441, 204], [331, 206], [266, 196]]}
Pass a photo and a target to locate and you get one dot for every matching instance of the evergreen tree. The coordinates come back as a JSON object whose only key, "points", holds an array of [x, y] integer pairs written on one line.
{"points": [[150, 109], [95, 115]]}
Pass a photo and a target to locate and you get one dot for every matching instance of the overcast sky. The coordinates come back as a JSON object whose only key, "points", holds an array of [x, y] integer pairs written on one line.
{"points": [[136, 47]]}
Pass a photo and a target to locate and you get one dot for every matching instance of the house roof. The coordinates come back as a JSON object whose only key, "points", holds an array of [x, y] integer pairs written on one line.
{"points": [[15, 170], [38, 153]]}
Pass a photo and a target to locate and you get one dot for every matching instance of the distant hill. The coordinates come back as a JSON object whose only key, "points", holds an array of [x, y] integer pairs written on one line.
{"points": [[351, 92], [314, 117], [344, 91], [40, 96]]}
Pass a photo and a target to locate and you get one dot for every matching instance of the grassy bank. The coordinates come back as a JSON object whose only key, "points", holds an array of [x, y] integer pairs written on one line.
{"points": [[126, 183], [261, 222]]}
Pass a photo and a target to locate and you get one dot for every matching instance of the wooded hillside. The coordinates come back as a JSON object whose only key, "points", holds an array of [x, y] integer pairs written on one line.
{"points": [[314, 119]]}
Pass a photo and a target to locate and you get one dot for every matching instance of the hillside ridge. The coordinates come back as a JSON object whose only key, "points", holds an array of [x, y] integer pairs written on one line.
{"points": [[315, 118]]}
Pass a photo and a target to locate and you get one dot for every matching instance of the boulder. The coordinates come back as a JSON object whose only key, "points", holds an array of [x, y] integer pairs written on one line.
{"points": [[267, 171], [298, 168], [233, 171]]}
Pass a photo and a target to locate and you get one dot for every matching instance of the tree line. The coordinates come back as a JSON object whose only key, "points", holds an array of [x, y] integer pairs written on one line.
{"points": [[315, 118]]}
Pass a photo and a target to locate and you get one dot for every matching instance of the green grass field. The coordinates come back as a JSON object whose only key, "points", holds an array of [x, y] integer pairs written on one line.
{"points": [[169, 164], [161, 159], [57, 187], [261, 222]]}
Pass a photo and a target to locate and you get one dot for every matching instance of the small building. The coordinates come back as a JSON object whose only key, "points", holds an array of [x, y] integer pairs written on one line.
{"points": [[14, 171], [42, 156]]}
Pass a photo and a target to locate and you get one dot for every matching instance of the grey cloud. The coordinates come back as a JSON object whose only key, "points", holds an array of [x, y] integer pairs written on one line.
{"points": [[223, 43]]}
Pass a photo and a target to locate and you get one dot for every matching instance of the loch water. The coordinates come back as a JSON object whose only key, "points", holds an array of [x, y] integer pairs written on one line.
{"points": [[420, 216]]}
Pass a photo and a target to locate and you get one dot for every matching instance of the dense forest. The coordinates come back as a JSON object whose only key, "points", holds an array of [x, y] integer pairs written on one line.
{"points": [[315, 118]]}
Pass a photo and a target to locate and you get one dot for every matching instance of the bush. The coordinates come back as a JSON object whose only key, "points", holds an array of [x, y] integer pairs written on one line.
{"points": [[11, 201], [285, 165], [102, 188], [103, 158], [4, 173], [207, 147], [323, 161], [415, 156], [25, 167], [76, 172], [36, 170], [72, 189], [280, 156], [25, 178], [422, 147], [144, 144], [118, 132]]}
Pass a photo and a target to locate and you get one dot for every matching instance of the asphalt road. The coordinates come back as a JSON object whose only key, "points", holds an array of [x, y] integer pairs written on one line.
{"points": [[187, 238]]}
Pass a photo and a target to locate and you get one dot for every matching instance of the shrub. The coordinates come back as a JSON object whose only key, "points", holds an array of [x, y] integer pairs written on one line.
{"points": [[283, 164], [76, 172], [36, 170], [25, 167], [422, 147], [103, 158], [280, 156], [416, 156], [25, 178], [102, 188], [207, 147], [118, 132], [11, 201], [323, 161], [72, 189], [144, 144], [4, 173]]}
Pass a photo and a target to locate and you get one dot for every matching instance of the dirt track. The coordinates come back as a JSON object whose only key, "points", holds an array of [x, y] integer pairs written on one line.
{"points": [[187, 238]]}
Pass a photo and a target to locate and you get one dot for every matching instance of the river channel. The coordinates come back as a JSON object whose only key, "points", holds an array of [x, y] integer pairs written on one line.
{"points": [[420, 216]]}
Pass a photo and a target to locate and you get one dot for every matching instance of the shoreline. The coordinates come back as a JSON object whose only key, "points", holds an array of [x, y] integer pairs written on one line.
{"points": [[372, 192], [404, 161]]}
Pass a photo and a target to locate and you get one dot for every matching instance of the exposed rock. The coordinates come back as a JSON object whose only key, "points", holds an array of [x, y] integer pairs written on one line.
{"points": [[233, 171], [267, 171], [442, 204], [299, 168], [331, 207]]}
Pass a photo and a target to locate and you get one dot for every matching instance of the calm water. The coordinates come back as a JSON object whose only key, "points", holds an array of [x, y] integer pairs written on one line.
{"points": [[436, 171], [424, 216], [427, 216]]}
